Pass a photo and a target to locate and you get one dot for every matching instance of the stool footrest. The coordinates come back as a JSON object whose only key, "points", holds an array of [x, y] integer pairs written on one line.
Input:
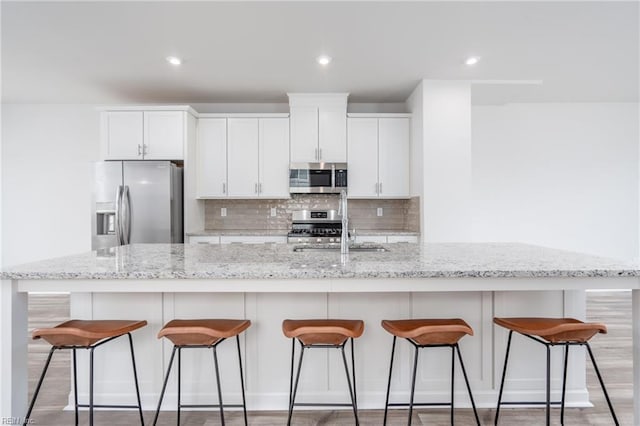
{"points": [[211, 405], [529, 402], [420, 404], [321, 404], [131, 407]]}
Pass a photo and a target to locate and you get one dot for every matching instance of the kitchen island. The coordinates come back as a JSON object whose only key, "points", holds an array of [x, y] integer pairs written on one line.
{"points": [[270, 282]]}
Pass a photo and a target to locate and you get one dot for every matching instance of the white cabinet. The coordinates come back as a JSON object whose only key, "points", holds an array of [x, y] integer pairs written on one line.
{"points": [[318, 127], [203, 239], [164, 135], [273, 165], [383, 239], [378, 152], [211, 154], [253, 239], [237, 239], [243, 157], [143, 135]]}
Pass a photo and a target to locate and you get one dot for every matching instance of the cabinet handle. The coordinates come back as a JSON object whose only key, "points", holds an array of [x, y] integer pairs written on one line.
{"points": [[260, 188], [320, 154], [255, 188], [377, 190], [139, 149], [224, 187], [316, 154], [144, 149], [380, 186]]}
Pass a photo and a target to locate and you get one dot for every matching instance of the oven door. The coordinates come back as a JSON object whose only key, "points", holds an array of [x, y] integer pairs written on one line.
{"points": [[311, 178]]}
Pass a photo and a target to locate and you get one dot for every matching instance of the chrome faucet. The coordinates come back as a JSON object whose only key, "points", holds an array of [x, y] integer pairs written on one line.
{"points": [[343, 210]]}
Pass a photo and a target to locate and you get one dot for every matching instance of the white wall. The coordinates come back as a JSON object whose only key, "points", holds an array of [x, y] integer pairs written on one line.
{"points": [[47, 178], [446, 127], [558, 175]]}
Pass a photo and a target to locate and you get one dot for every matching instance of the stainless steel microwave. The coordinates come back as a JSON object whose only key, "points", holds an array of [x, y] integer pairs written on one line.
{"points": [[317, 178]]}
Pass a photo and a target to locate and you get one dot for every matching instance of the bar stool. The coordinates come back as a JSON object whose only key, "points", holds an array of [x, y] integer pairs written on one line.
{"points": [[553, 332], [322, 333], [203, 333], [86, 334], [429, 333]]}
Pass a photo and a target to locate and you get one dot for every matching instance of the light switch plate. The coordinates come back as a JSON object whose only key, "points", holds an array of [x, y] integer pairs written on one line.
{"points": [[223, 211], [379, 211], [273, 212]]}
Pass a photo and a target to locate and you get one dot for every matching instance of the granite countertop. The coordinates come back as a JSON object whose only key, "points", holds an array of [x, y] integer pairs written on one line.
{"points": [[283, 232], [279, 261]]}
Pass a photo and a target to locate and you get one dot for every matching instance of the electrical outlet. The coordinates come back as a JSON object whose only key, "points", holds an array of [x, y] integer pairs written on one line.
{"points": [[223, 211], [273, 212], [379, 211]]}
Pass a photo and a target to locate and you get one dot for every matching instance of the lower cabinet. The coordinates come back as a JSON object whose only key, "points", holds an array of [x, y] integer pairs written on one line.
{"points": [[236, 239]]}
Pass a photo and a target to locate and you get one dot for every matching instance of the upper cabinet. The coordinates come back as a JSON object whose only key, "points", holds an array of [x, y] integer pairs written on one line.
{"points": [[378, 152], [318, 127], [243, 157], [143, 133]]}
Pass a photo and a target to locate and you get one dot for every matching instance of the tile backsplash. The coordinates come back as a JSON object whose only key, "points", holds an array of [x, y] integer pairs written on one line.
{"points": [[397, 215]]}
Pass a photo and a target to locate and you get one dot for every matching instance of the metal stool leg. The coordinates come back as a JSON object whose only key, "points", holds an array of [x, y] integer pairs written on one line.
{"points": [[351, 389], [295, 387], [135, 378], [453, 369], [564, 383], [604, 389], [413, 385], [504, 373], [244, 402], [215, 362], [91, 386], [386, 403], [179, 382], [548, 385], [75, 385], [353, 373], [164, 386], [466, 380], [35, 394]]}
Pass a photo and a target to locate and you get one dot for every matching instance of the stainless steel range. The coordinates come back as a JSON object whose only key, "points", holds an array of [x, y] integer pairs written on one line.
{"points": [[315, 226]]}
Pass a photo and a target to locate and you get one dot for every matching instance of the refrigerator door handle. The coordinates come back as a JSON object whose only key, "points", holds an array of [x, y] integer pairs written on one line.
{"points": [[118, 228], [126, 220]]}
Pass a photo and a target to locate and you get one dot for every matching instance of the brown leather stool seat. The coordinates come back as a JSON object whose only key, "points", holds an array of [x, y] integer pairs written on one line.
{"points": [[322, 333], [428, 333], [86, 334], [553, 332], [202, 333]]}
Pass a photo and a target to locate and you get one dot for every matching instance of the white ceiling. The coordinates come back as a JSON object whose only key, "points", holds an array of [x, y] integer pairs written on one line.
{"points": [[114, 52]]}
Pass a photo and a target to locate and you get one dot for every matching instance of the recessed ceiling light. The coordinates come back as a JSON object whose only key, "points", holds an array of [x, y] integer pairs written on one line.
{"points": [[472, 60], [173, 60], [324, 60]]}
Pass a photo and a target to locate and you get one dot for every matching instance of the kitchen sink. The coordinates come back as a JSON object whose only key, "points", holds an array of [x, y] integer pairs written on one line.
{"points": [[336, 247]]}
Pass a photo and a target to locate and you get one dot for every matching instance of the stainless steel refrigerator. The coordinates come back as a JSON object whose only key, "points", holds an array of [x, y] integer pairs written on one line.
{"points": [[136, 202]]}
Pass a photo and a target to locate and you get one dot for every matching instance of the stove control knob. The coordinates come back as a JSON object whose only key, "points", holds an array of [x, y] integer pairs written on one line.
{"points": [[319, 240]]}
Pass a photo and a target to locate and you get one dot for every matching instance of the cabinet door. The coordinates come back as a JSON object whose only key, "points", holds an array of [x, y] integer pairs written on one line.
{"points": [[393, 154], [274, 157], [332, 123], [363, 157], [212, 158], [122, 135], [304, 134], [242, 144], [164, 135]]}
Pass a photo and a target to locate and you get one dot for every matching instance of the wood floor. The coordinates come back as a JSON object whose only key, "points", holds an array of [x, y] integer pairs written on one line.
{"points": [[613, 353]]}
